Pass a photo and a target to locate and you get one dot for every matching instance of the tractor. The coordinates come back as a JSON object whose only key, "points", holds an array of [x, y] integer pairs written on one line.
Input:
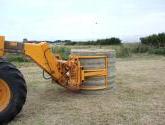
{"points": [[67, 73]]}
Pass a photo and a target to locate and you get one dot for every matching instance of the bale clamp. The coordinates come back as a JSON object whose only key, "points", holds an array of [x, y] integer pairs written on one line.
{"points": [[86, 73]]}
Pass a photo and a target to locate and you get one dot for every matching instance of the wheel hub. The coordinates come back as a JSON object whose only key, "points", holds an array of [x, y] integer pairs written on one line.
{"points": [[5, 95]]}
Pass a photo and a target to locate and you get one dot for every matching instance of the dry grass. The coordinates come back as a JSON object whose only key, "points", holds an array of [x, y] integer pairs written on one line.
{"points": [[137, 99]]}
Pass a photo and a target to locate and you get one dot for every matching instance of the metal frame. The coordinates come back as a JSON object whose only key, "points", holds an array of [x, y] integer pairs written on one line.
{"points": [[94, 73]]}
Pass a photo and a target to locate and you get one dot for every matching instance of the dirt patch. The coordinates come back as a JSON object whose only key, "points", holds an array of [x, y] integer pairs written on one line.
{"points": [[138, 98]]}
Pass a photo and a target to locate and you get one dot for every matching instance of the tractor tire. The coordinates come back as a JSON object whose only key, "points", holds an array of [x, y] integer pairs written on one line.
{"points": [[13, 91]]}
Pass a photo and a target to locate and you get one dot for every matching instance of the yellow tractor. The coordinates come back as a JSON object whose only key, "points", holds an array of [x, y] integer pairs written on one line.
{"points": [[69, 74]]}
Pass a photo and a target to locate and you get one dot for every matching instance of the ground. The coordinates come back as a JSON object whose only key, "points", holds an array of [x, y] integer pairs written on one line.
{"points": [[138, 97]]}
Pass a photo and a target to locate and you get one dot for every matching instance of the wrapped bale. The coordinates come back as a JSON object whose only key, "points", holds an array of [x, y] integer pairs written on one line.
{"points": [[97, 63]]}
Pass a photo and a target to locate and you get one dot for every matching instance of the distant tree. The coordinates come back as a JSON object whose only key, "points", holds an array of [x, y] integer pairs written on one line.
{"points": [[25, 40], [114, 41], [69, 42], [161, 39], [155, 40], [109, 41]]}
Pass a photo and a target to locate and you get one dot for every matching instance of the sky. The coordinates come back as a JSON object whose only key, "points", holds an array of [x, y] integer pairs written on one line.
{"points": [[81, 19]]}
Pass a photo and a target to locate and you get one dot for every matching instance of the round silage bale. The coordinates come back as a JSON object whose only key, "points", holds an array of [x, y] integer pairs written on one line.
{"points": [[97, 63]]}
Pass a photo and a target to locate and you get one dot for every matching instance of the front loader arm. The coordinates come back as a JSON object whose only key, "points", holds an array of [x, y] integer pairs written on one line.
{"points": [[41, 55], [65, 73], [61, 71]]}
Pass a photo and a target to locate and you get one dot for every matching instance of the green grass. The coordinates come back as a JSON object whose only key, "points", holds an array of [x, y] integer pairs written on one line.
{"points": [[63, 51], [16, 58], [122, 51], [158, 51]]}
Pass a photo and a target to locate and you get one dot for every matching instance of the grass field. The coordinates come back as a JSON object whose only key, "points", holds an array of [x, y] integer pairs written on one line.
{"points": [[138, 97]]}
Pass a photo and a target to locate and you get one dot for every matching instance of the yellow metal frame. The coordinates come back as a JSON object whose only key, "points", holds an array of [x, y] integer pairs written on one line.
{"points": [[2, 39], [93, 73]]}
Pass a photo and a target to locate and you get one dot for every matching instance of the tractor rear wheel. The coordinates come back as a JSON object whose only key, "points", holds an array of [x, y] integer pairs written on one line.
{"points": [[12, 91]]}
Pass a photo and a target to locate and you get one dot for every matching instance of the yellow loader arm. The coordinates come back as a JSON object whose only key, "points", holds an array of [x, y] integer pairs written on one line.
{"points": [[65, 73]]}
